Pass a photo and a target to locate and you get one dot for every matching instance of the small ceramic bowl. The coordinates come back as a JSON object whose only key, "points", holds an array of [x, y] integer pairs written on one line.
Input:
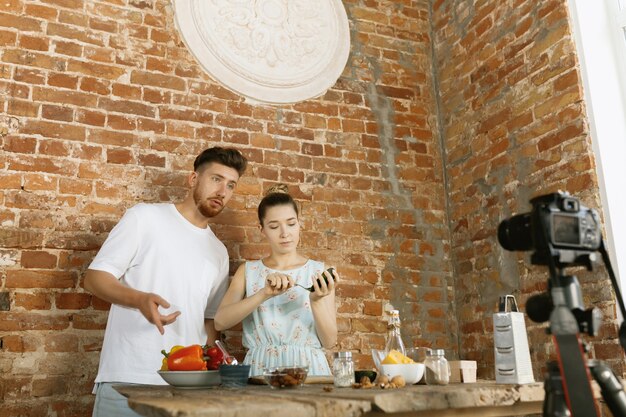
{"points": [[234, 375], [286, 377], [358, 374], [191, 379]]}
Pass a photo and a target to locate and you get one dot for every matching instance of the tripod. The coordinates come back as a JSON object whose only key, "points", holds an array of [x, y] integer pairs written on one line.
{"points": [[568, 379]]}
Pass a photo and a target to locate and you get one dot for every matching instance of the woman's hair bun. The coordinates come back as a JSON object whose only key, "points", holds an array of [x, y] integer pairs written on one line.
{"points": [[279, 188]]}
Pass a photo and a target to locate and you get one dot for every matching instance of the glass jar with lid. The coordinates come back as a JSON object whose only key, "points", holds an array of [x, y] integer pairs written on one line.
{"points": [[437, 368], [343, 369]]}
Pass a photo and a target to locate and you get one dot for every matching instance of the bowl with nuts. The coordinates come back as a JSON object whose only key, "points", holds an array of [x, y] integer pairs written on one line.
{"points": [[286, 376], [411, 372]]}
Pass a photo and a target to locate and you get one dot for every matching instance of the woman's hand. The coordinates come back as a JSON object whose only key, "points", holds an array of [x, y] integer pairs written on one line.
{"points": [[323, 287], [277, 283]]}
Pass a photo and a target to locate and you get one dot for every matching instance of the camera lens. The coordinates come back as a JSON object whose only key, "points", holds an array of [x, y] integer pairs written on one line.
{"points": [[515, 233]]}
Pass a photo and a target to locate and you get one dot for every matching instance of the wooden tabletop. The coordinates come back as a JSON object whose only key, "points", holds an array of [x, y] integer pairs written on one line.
{"points": [[484, 399]]}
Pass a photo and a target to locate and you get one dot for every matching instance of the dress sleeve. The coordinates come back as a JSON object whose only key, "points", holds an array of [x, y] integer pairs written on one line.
{"points": [[119, 249]]}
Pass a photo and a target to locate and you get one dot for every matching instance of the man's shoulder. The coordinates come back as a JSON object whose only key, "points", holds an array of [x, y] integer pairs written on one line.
{"points": [[150, 208]]}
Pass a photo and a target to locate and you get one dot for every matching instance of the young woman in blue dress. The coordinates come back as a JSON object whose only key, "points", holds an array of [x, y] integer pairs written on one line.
{"points": [[284, 324]]}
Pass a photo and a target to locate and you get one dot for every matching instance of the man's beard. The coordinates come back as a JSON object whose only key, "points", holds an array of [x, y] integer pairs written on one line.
{"points": [[204, 207]]}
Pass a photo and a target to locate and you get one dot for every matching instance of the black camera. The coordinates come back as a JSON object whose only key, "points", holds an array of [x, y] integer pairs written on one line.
{"points": [[558, 227]]}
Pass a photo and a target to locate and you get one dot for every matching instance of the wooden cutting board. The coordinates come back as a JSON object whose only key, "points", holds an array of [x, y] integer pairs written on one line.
{"points": [[319, 379]]}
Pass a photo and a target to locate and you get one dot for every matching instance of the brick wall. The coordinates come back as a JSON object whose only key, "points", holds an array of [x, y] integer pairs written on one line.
{"points": [[514, 124], [102, 106]]}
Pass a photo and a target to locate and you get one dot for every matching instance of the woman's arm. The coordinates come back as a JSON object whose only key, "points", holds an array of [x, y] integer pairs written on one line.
{"points": [[234, 307], [212, 334], [324, 310]]}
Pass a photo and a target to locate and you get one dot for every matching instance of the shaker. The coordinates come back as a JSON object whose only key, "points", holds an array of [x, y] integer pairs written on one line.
{"points": [[437, 368], [343, 369]]}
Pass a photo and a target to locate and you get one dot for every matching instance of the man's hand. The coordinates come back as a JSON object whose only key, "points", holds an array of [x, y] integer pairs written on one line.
{"points": [[105, 286], [149, 306]]}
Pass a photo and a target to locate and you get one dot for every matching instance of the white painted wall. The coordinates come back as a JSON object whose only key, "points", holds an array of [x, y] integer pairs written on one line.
{"points": [[601, 48]]}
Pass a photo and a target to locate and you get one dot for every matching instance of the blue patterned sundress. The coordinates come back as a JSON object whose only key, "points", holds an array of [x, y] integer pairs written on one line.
{"points": [[281, 331]]}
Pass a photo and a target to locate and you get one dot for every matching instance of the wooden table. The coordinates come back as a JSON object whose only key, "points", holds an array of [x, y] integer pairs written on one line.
{"points": [[484, 399]]}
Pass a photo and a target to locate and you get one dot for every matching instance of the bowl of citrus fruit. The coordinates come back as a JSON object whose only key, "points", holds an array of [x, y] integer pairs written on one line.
{"points": [[395, 363]]}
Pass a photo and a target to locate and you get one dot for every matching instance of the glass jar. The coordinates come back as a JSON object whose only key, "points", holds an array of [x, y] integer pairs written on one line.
{"points": [[437, 368], [394, 338], [343, 369]]}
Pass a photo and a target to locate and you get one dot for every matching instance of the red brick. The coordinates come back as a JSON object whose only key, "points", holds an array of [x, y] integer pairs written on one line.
{"points": [[63, 114], [42, 11], [63, 80], [566, 81], [38, 259], [38, 301], [157, 80], [75, 186], [22, 23], [72, 301], [238, 123], [120, 156], [87, 321], [50, 386], [126, 91], [66, 97], [149, 125], [34, 42], [96, 70], [30, 76], [125, 106], [23, 108], [197, 116], [156, 96], [17, 388], [7, 38], [20, 144], [152, 160], [104, 25], [75, 34], [95, 53], [15, 343], [31, 59], [18, 321], [54, 147], [120, 122], [68, 48], [116, 13], [54, 130], [559, 137], [40, 279], [89, 117]]}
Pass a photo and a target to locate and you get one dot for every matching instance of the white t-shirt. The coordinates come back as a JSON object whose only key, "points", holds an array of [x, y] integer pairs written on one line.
{"points": [[155, 249]]}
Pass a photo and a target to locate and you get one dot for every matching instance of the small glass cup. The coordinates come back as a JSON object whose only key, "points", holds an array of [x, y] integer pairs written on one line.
{"points": [[418, 354], [378, 356], [286, 376]]}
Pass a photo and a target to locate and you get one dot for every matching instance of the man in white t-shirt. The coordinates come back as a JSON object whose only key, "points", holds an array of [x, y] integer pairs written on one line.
{"points": [[164, 273]]}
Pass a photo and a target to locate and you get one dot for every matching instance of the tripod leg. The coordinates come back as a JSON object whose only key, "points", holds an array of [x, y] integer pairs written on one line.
{"points": [[554, 404], [611, 388]]}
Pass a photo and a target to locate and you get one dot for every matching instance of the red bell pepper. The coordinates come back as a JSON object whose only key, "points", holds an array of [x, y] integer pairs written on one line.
{"points": [[189, 358]]}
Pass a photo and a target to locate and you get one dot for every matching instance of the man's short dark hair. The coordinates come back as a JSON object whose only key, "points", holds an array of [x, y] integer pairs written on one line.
{"points": [[226, 156]]}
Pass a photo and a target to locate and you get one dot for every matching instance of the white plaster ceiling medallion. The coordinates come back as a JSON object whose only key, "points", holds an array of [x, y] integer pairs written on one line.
{"points": [[274, 51]]}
